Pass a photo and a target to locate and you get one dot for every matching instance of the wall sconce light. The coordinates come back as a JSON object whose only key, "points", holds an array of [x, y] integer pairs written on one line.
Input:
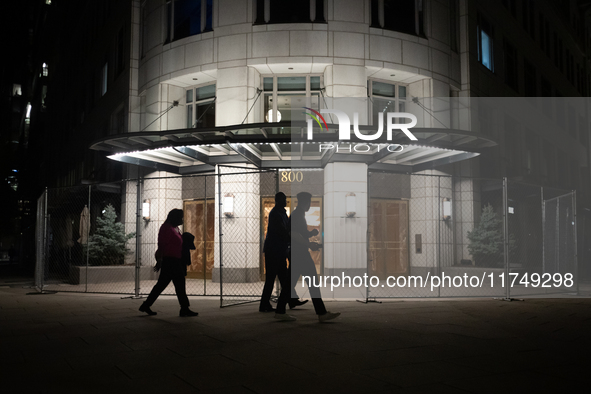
{"points": [[446, 208], [146, 210], [228, 205], [350, 205]]}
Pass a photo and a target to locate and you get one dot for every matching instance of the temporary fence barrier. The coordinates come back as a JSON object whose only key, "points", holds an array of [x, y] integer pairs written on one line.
{"points": [[494, 238]]}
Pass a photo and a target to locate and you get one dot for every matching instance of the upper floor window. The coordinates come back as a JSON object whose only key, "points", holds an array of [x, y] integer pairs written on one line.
{"points": [[104, 76], [485, 43], [454, 24], [120, 52], [405, 16], [44, 70], [530, 79], [43, 97], [200, 103], [511, 6], [284, 96], [529, 17], [510, 62], [386, 97], [292, 11], [188, 17]]}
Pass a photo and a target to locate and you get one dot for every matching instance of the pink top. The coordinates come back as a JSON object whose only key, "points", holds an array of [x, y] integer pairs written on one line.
{"points": [[170, 242]]}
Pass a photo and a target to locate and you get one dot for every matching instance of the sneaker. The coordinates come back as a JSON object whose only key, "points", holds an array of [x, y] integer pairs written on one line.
{"points": [[284, 317], [145, 308], [267, 309], [186, 312], [328, 316]]}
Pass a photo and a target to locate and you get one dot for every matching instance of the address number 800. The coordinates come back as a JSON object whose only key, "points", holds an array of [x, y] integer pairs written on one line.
{"points": [[290, 176]]}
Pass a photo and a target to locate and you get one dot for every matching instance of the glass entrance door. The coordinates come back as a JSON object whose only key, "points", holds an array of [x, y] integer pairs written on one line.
{"points": [[388, 238], [199, 220]]}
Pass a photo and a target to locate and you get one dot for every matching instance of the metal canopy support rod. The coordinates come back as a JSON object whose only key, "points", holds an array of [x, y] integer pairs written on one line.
{"points": [[506, 244], [506, 237], [576, 275], [245, 153], [138, 234], [220, 234]]}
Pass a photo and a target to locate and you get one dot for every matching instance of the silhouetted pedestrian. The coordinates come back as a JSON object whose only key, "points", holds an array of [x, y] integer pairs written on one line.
{"points": [[301, 261], [276, 251], [169, 259]]}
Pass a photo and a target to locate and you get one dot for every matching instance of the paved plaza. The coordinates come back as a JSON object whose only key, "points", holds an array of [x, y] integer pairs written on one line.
{"points": [[77, 343]]}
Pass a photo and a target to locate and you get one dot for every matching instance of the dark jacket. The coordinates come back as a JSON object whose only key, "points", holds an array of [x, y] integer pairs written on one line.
{"points": [[188, 245], [297, 224], [277, 239]]}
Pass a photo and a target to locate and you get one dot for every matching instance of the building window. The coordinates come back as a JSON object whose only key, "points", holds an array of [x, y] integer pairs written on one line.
{"points": [[510, 63], [545, 35], [386, 97], [285, 96], [200, 103], [510, 6], [188, 17], [405, 16], [17, 90], [43, 97], [529, 79], [532, 152], [453, 25], [583, 132], [104, 75], [118, 122], [529, 18], [120, 53], [293, 11], [44, 70], [144, 29], [485, 43], [513, 150]]}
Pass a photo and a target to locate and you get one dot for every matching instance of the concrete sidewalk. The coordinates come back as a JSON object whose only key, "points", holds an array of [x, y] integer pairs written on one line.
{"points": [[80, 343]]}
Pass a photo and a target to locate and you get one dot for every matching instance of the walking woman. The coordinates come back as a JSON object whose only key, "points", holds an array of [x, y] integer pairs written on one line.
{"points": [[169, 260]]}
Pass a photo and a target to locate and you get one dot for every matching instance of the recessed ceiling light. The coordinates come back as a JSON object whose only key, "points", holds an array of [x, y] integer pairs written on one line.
{"points": [[194, 79], [392, 75], [290, 68]]}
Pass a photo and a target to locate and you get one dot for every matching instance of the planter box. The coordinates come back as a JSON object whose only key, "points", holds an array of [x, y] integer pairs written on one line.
{"points": [[109, 274]]}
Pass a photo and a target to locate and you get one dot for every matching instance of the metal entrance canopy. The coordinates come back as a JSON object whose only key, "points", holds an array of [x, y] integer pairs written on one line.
{"points": [[284, 144]]}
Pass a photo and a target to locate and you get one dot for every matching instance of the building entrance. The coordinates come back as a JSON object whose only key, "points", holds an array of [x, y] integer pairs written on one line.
{"points": [[200, 221], [388, 238]]}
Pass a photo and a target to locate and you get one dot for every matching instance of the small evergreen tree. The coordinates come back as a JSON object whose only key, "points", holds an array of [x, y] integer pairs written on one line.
{"points": [[486, 240], [107, 246]]}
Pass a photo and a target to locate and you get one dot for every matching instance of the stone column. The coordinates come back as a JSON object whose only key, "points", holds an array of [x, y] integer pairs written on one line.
{"points": [[345, 239]]}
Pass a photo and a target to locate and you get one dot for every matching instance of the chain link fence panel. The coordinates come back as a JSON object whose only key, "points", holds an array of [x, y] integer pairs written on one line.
{"points": [[424, 231], [541, 240], [196, 196], [239, 265], [90, 239]]}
